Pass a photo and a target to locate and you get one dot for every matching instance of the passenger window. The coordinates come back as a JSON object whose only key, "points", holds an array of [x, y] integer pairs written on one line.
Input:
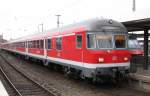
{"points": [[41, 43], [78, 41], [49, 44], [59, 43]]}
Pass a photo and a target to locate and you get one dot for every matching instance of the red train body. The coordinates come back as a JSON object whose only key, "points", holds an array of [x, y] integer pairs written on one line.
{"points": [[93, 48]]}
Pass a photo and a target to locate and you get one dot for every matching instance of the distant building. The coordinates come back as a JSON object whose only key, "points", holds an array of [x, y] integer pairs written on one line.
{"points": [[2, 40]]}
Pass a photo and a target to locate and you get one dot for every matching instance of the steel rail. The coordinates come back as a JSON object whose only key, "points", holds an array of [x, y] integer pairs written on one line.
{"points": [[17, 91], [52, 92]]}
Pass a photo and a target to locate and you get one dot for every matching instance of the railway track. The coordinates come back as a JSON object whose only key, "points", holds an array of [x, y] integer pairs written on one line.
{"points": [[10, 89], [67, 86], [22, 85]]}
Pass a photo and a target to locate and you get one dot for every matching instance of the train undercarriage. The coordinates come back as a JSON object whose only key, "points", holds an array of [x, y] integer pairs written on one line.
{"points": [[97, 75]]}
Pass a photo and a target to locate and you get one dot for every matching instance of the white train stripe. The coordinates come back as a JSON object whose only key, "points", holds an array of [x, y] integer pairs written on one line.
{"points": [[89, 65], [80, 64]]}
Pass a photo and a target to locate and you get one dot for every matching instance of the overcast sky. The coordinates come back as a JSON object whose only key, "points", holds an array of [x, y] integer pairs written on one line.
{"points": [[21, 17]]}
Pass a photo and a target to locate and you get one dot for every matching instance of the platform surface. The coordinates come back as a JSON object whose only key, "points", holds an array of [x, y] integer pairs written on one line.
{"points": [[142, 74], [3, 91]]}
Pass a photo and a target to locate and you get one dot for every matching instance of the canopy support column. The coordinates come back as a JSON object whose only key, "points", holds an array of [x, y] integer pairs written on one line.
{"points": [[145, 49]]}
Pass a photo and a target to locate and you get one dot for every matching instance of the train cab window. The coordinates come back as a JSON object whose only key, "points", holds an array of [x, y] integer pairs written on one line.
{"points": [[59, 43], [49, 44], [120, 41], [79, 41], [104, 41], [91, 41]]}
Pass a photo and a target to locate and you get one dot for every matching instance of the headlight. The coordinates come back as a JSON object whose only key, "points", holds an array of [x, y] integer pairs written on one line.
{"points": [[101, 59]]}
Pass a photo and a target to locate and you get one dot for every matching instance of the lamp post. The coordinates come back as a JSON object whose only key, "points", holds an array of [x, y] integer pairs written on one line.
{"points": [[134, 6], [58, 20], [41, 27]]}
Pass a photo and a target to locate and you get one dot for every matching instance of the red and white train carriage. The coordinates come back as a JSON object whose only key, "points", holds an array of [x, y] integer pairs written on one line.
{"points": [[92, 48]]}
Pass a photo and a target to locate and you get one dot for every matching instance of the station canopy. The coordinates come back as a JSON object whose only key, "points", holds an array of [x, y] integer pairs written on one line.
{"points": [[139, 21], [136, 21]]}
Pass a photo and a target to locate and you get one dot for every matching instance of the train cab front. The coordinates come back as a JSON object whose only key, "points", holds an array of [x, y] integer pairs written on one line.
{"points": [[108, 53]]}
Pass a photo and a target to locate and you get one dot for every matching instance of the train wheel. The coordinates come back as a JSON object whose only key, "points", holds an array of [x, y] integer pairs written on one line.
{"points": [[88, 80], [67, 72], [72, 72], [119, 77], [46, 63]]}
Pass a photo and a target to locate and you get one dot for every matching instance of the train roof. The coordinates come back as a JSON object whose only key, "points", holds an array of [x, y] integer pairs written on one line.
{"points": [[90, 25], [95, 24]]}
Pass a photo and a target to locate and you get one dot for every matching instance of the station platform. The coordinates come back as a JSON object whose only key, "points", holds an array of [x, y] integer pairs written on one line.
{"points": [[143, 78], [142, 74], [3, 91]]}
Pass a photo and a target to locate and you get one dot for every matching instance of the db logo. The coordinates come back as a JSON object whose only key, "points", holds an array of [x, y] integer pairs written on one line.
{"points": [[114, 58], [58, 54]]}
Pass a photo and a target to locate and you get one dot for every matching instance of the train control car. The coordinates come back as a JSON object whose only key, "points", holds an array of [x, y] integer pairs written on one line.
{"points": [[91, 49]]}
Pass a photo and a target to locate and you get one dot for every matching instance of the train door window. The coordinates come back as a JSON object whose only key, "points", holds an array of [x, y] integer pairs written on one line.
{"points": [[41, 44], [59, 43], [38, 44], [23, 44], [120, 41], [30, 44], [49, 44], [79, 41], [33, 44], [91, 41]]}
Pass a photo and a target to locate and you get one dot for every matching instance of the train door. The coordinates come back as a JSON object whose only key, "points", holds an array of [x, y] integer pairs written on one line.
{"points": [[48, 47], [45, 48], [26, 47], [59, 46], [79, 47]]}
